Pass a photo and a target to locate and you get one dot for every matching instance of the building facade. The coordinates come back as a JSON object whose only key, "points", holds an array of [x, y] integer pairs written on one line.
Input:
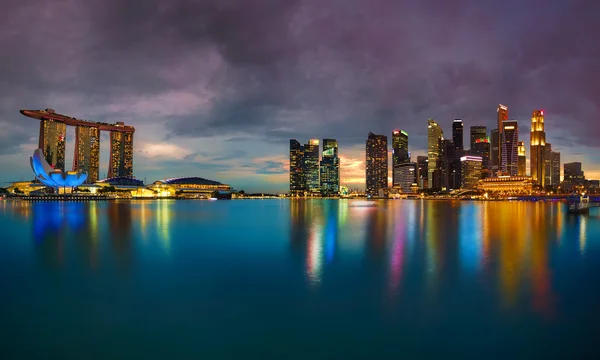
{"points": [[311, 167], [52, 142], [400, 152], [507, 185], [522, 159], [87, 152], [330, 168], [509, 150], [495, 152], [501, 116], [471, 171], [434, 137], [376, 164], [477, 133], [121, 154], [548, 164], [481, 148], [297, 182], [406, 176], [555, 168], [422, 168], [458, 136], [537, 148]]}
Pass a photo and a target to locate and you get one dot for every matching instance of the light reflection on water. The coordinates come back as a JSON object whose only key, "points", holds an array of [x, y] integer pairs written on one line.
{"points": [[416, 266]]}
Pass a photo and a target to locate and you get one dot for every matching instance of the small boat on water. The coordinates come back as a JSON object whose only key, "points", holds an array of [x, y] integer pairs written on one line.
{"points": [[578, 204]]}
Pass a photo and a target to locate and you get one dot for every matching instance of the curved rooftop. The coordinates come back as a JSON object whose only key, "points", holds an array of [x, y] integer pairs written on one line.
{"points": [[50, 114], [188, 180]]}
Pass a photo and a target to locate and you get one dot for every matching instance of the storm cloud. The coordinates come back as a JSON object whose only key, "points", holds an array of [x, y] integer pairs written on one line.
{"points": [[196, 74]]}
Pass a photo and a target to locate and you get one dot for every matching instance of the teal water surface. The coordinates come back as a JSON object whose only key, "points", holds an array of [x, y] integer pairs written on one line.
{"points": [[298, 279]]}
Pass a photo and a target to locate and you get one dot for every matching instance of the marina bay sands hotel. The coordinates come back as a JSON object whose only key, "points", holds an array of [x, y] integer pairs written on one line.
{"points": [[53, 133]]}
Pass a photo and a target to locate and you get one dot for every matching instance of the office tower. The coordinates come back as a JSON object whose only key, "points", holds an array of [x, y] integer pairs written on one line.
{"points": [[447, 166], [434, 136], [121, 154], [548, 164], [481, 148], [400, 152], [510, 142], [296, 168], [555, 168], [87, 152], [501, 115], [477, 133], [537, 152], [330, 168], [376, 164], [311, 166], [422, 164], [471, 171], [457, 135], [406, 176], [52, 142], [522, 159], [495, 136], [573, 173]]}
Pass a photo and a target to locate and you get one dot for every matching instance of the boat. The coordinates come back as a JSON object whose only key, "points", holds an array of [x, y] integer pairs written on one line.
{"points": [[578, 204]]}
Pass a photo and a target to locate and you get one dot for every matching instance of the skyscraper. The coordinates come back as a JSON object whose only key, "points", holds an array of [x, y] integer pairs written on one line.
{"points": [[477, 133], [121, 154], [400, 153], [574, 173], [311, 166], [501, 115], [522, 159], [376, 164], [471, 171], [434, 135], [406, 176], [52, 142], [457, 135], [296, 168], [509, 150], [548, 164], [422, 165], [330, 168], [87, 152], [447, 165], [495, 141], [555, 168], [537, 152]]}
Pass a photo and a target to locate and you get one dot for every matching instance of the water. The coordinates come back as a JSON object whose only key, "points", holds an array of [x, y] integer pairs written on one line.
{"points": [[297, 279]]}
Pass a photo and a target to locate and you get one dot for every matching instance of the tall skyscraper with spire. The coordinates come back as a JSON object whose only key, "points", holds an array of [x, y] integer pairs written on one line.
{"points": [[501, 115], [538, 145]]}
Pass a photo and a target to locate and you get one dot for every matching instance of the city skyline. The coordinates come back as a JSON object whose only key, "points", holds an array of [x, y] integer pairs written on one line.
{"points": [[213, 101]]}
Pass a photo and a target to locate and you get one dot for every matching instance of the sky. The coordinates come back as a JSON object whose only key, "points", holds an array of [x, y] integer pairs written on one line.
{"points": [[217, 88]]}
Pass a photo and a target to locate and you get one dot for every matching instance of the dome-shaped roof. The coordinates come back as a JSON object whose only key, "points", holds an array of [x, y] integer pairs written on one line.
{"points": [[189, 180]]}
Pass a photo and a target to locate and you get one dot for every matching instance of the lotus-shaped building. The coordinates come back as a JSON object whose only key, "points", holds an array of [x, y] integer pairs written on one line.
{"points": [[54, 178]]}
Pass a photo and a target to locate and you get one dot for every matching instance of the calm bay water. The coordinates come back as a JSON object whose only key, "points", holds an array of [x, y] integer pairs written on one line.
{"points": [[298, 279]]}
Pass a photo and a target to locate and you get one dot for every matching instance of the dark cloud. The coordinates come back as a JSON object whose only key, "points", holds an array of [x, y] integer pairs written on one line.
{"points": [[271, 70]]}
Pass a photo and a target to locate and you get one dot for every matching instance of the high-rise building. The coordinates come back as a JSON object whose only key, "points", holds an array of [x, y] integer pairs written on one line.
{"points": [[434, 136], [501, 115], [495, 153], [555, 168], [471, 171], [376, 164], [311, 166], [548, 164], [406, 176], [52, 141], [330, 168], [574, 173], [447, 165], [522, 159], [481, 148], [121, 154], [400, 152], [477, 133], [87, 152], [510, 142], [422, 164], [297, 183], [537, 152], [457, 135]]}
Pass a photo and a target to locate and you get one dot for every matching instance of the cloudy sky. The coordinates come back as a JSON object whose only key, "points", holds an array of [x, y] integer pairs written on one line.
{"points": [[216, 88]]}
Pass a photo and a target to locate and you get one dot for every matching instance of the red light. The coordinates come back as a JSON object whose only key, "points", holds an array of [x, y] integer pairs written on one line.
{"points": [[396, 132], [542, 112]]}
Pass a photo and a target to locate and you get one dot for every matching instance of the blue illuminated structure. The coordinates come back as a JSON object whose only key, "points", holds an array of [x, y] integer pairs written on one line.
{"points": [[54, 178]]}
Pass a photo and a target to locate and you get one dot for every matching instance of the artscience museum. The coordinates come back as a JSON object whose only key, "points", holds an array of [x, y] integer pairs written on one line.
{"points": [[54, 178]]}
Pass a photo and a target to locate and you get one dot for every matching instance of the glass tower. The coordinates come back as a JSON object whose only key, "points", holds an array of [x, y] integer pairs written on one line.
{"points": [[434, 137], [400, 154], [477, 133], [330, 168], [510, 147], [501, 115], [311, 166], [376, 164], [296, 168]]}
